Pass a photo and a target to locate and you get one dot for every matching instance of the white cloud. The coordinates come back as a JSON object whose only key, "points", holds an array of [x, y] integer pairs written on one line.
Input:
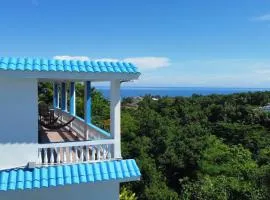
{"points": [[143, 63], [106, 59], [82, 58], [192, 73], [262, 71], [211, 73], [148, 63], [265, 17]]}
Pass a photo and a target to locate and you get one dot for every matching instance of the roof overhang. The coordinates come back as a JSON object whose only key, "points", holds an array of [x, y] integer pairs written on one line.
{"points": [[70, 76], [61, 175], [51, 69]]}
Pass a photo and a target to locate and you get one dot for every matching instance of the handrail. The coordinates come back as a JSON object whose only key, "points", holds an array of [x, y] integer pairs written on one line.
{"points": [[92, 125], [76, 143], [83, 128], [99, 130]]}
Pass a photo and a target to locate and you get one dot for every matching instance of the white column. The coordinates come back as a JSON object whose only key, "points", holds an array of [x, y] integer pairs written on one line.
{"points": [[115, 117]]}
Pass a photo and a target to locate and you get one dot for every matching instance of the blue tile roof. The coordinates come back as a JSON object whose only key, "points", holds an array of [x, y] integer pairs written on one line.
{"points": [[21, 179], [51, 65]]}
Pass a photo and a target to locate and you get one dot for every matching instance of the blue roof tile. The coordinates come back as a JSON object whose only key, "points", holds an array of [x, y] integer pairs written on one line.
{"points": [[111, 170], [90, 173], [109, 67], [122, 67], [12, 180], [28, 180], [104, 171], [36, 178], [125, 169], [20, 175], [82, 173], [74, 172], [118, 170], [67, 174], [52, 65], [20, 179], [4, 180], [97, 173], [131, 169]]}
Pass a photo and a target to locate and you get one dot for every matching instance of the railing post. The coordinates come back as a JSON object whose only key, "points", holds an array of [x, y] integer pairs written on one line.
{"points": [[87, 153], [58, 155], [76, 154], [51, 155], [115, 109], [70, 155], [64, 154], [93, 153], [45, 156], [40, 156], [81, 153]]}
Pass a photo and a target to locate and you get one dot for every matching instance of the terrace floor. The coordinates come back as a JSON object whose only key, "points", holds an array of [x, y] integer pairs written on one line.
{"points": [[59, 135], [64, 155]]}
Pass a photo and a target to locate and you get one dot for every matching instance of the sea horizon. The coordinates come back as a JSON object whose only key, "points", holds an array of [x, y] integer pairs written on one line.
{"points": [[136, 91]]}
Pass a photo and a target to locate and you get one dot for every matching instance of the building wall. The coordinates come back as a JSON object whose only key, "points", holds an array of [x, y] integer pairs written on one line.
{"points": [[18, 121], [95, 191]]}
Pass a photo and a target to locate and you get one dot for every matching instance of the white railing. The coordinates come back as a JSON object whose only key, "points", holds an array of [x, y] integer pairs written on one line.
{"points": [[87, 131], [74, 152]]}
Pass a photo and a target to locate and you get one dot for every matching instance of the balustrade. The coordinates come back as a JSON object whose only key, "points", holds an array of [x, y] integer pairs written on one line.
{"points": [[74, 152]]}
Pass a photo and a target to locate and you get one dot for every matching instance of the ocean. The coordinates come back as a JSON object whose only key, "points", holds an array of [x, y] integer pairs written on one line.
{"points": [[176, 91]]}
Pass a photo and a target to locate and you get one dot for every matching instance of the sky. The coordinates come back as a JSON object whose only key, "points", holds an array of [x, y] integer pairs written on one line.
{"points": [[179, 43]]}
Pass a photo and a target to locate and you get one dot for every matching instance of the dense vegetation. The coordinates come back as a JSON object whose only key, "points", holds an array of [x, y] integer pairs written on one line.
{"points": [[201, 147]]}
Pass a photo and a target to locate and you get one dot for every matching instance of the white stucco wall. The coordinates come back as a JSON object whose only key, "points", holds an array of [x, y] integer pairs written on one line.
{"points": [[95, 191], [18, 121]]}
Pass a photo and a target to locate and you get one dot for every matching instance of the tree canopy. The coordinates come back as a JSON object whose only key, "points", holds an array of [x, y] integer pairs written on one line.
{"points": [[198, 147]]}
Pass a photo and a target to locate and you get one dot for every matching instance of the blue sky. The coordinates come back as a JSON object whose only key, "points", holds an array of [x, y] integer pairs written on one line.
{"points": [[175, 43]]}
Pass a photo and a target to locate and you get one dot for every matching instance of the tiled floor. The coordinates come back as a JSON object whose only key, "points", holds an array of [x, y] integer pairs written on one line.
{"points": [[60, 135]]}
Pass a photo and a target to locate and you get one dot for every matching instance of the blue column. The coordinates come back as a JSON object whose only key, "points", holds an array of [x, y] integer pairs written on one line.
{"points": [[87, 102], [55, 95], [72, 99], [64, 97]]}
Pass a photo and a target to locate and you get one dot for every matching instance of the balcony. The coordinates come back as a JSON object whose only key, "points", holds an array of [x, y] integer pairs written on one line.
{"points": [[77, 142]]}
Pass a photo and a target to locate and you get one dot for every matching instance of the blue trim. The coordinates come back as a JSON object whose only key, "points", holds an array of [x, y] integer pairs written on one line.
{"points": [[60, 175], [92, 125], [55, 96], [72, 99], [95, 127], [63, 97], [87, 110], [99, 130]]}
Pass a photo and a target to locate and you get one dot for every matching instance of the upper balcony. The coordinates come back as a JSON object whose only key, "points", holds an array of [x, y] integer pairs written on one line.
{"points": [[64, 137], [70, 139]]}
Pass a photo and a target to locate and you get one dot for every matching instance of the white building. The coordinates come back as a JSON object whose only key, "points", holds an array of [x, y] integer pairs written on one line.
{"points": [[52, 153], [266, 108]]}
